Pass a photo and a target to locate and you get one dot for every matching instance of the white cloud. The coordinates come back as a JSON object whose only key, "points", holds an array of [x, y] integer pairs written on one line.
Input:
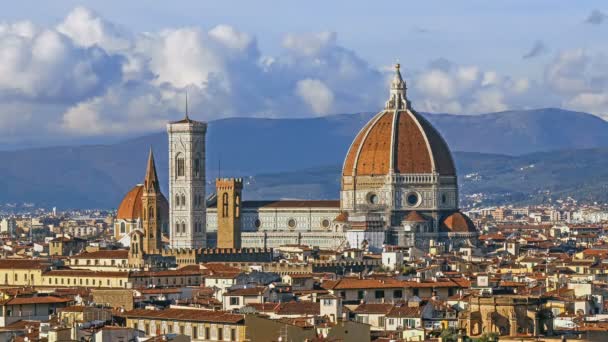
{"points": [[86, 28], [86, 76], [311, 44], [316, 94]]}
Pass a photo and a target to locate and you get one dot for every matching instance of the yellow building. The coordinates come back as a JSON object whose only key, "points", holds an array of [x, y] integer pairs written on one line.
{"points": [[22, 272], [200, 325], [87, 278]]}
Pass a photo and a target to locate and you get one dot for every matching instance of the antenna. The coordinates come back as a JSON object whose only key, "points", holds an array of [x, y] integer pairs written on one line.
{"points": [[219, 166]]}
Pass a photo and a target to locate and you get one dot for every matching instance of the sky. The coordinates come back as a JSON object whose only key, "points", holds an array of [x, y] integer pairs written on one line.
{"points": [[91, 71]]}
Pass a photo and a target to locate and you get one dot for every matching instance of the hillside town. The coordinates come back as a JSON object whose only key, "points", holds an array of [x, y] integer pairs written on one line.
{"points": [[394, 259]]}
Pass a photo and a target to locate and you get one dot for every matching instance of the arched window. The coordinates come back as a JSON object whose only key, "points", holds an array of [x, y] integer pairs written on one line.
{"points": [[151, 214], [225, 204], [177, 201], [123, 227], [180, 165], [237, 206], [177, 226], [197, 166], [183, 200]]}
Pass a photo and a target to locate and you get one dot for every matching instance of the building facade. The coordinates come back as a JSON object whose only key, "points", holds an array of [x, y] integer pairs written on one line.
{"points": [[187, 183]]}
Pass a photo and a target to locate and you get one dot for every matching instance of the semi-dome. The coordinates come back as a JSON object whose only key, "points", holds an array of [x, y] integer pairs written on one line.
{"points": [[458, 223], [398, 140], [130, 207]]}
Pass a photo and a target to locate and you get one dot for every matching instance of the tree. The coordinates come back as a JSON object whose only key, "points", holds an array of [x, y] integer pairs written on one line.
{"points": [[449, 335]]}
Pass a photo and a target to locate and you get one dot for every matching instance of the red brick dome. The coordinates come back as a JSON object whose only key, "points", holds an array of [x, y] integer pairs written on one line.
{"points": [[401, 141], [398, 140], [458, 223], [130, 207]]}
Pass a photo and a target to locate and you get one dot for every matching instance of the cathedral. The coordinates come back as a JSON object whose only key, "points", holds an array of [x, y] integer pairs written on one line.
{"points": [[398, 187]]}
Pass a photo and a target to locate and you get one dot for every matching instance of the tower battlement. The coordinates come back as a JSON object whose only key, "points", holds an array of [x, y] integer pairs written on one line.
{"points": [[228, 183]]}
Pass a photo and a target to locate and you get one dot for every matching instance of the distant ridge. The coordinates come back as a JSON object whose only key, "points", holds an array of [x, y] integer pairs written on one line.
{"points": [[99, 175]]}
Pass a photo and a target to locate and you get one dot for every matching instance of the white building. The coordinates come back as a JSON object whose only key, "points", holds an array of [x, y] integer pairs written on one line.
{"points": [[187, 204]]}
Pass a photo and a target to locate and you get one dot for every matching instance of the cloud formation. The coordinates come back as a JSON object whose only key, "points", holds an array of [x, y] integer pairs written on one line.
{"points": [[537, 49], [86, 76], [596, 17]]}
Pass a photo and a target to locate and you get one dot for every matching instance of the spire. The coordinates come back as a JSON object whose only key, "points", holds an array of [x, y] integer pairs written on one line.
{"points": [[397, 99], [151, 180], [187, 118]]}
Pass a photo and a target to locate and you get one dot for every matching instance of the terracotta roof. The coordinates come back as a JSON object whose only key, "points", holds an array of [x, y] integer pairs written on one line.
{"points": [[350, 283], [103, 254], [36, 300], [22, 264], [414, 216], [298, 308], [418, 147], [373, 308], [130, 207], [403, 310], [191, 315], [342, 217], [250, 291], [458, 223]]}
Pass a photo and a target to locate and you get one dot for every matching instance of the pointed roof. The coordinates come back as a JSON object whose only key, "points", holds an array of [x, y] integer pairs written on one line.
{"points": [[151, 180], [414, 216]]}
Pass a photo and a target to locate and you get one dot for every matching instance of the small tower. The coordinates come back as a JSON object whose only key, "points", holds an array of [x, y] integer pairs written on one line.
{"points": [[229, 192], [151, 209]]}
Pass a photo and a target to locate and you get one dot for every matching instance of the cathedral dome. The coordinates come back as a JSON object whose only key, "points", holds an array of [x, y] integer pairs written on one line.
{"points": [[458, 223], [130, 207], [398, 140]]}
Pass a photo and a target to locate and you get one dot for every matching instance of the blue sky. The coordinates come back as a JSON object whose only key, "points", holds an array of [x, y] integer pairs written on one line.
{"points": [[79, 69]]}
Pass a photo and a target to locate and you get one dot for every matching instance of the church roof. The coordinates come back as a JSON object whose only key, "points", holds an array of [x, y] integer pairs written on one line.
{"points": [[398, 140], [414, 216], [130, 207], [458, 223]]}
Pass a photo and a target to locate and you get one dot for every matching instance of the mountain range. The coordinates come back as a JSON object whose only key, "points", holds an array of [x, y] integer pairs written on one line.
{"points": [[301, 158]]}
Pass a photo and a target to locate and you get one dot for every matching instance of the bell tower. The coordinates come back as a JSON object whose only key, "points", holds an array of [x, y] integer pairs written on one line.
{"points": [[187, 206], [229, 192], [151, 210]]}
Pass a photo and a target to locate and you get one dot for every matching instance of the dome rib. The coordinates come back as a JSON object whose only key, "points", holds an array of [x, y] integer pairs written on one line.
{"points": [[130, 206]]}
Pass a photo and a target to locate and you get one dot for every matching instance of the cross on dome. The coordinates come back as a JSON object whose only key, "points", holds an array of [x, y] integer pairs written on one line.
{"points": [[397, 99]]}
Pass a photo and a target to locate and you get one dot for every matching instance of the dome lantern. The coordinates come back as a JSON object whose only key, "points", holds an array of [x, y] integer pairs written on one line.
{"points": [[398, 98]]}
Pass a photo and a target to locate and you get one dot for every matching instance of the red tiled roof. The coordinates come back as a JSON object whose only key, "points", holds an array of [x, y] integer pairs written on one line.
{"points": [[373, 308], [36, 300], [251, 291], [418, 147], [350, 283], [103, 254], [22, 264], [192, 315], [298, 308], [414, 216]]}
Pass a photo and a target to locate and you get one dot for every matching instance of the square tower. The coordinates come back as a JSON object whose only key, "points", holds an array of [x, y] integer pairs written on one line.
{"points": [[229, 212], [187, 205]]}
